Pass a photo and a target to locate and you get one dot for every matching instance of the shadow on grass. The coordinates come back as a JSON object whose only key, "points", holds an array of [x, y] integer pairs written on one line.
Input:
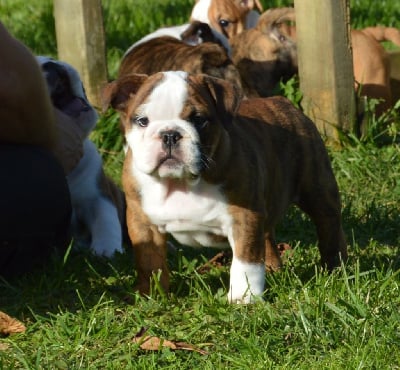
{"points": [[77, 281], [71, 283], [377, 223], [373, 236]]}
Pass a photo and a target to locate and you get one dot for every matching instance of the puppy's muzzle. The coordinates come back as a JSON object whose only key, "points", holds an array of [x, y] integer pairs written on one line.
{"points": [[170, 139]]}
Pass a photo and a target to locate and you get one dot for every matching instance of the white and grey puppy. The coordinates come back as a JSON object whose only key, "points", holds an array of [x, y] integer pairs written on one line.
{"points": [[98, 205]]}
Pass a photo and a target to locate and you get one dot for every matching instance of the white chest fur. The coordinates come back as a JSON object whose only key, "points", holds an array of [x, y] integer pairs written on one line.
{"points": [[192, 214]]}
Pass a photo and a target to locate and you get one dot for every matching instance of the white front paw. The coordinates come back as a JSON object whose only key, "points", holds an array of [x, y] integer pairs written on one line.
{"points": [[246, 281]]}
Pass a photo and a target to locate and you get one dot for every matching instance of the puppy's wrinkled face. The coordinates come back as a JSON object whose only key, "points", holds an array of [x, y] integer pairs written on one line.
{"points": [[228, 20], [176, 124], [171, 130], [67, 92]]}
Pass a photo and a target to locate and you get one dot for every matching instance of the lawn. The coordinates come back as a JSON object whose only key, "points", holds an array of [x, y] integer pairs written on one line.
{"points": [[81, 312]]}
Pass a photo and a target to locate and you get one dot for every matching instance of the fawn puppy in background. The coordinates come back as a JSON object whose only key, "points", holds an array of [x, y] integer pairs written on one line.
{"points": [[371, 62], [266, 54]]}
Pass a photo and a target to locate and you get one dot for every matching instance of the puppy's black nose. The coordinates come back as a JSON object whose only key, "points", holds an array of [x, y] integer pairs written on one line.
{"points": [[170, 138]]}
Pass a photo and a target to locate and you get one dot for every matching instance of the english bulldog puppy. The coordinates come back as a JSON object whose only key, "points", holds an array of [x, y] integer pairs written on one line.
{"points": [[381, 33], [168, 53], [98, 205], [212, 170], [229, 17], [266, 54], [371, 62], [371, 65], [265, 57], [281, 19]]}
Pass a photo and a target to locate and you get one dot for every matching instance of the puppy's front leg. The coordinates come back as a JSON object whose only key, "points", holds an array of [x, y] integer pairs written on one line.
{"points": [[150, 250], [246, 281], [247, 273]]}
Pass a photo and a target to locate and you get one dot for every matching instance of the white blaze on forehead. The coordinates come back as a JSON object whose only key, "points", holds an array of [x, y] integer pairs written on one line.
{"points": [[200, 11], [163, 107], [168, 98]]}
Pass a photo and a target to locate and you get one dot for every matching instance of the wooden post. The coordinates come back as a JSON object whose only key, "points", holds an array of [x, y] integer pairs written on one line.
{"points": [[395, 75], [325, 65], [394, 64], [81, 42]]}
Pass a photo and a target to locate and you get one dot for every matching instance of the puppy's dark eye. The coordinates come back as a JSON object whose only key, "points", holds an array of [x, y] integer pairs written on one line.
{"points": [[223, 23], [199, 120], [140, 121]]}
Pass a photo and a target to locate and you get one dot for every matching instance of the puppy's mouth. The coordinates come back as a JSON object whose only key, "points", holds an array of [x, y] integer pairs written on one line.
{"points": [[170, 164], [169, 161], [171, 167]]}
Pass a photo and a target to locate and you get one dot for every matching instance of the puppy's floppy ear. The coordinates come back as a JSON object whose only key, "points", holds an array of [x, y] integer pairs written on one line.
{"points": [[117, 93], [227, 96], [259, 6]]}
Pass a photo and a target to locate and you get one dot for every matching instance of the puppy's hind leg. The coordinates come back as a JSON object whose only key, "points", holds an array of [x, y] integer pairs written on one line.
{"points": [[324, 209], [273, 260]]}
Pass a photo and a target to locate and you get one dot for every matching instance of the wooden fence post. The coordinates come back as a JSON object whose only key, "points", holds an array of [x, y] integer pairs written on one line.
{"points": [[395, 74], [81, 42], [325, 65]]}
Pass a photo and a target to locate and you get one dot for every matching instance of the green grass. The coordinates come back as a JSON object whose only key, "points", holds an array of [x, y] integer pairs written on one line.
{"points": [[81, 311]]}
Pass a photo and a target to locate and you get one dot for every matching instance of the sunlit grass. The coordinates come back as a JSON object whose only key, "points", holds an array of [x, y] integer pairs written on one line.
{"points": [[82, 313]]}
